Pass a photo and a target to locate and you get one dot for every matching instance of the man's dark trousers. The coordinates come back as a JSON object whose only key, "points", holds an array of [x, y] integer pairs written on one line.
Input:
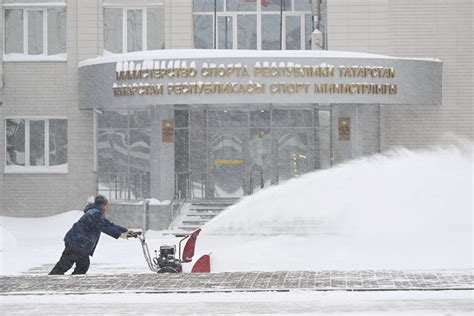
{"points": [[68, 258]]}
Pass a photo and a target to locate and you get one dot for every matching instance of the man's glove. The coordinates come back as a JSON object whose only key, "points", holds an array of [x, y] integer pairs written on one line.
{"points": [[130, 233], [133, 233]]}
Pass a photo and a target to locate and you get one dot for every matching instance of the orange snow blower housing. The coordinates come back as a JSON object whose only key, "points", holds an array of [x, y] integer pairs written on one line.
{"points": [[166, 262]]}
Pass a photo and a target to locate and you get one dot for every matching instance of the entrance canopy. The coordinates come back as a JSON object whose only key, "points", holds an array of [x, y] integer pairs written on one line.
{"points": [[237, 76]]}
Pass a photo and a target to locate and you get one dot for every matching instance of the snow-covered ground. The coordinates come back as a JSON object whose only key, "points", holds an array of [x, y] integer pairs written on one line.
{"points": [[268, 303], [401, 210]]}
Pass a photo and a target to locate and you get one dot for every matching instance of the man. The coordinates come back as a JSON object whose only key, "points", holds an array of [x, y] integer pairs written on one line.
{"points": [[80, 241]]}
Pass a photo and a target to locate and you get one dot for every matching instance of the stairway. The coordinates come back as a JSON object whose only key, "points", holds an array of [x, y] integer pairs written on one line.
{"points": [[196, 213]]}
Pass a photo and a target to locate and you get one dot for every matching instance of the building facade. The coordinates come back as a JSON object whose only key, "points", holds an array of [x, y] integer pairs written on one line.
{"points": [[127, 98]]}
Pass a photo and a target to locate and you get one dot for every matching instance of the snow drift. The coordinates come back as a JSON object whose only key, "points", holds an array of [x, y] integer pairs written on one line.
{"points": [[400, 191], [401, 209]]}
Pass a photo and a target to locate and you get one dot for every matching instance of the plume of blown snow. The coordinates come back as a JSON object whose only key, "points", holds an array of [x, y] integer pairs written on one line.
{"points": [[400, 191]]}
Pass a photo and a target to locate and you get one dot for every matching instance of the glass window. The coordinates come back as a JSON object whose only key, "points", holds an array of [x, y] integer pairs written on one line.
{"points": [[181, 150], [28, 139], [57, 142], [31, 38], [207, 5], [225, 32], [282, 24], [280, 118], [113, 119], [241, 5], [308, 30], [292, 118], [323, 22], [301, 118], [132, 35], [203, 31], [134, 30], [155, 27], [198, 118], [181, 118], [228, 118], [271, 31], [113, 30], [35, 32], [15, 132], [260, 118], [302, 5], [13, 31], [138, 119], [293, 32], [112, 145], [198, 135], [139, 150], [37, 151], [276, 5], [316, 117], [247, 31], [56, 31], [123, 153]]}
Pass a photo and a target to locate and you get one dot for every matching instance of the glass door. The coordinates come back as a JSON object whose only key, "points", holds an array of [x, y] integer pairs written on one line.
{"points": [[227, 150], [260, 160], [293, 153], [251, 149]]}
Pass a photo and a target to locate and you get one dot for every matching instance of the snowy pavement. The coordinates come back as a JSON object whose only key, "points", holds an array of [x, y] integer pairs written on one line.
{"points": [[412, 303], [329, 280], [369, 292]]}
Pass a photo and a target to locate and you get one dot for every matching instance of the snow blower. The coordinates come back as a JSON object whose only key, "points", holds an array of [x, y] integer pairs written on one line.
{"points": [[165, 260]]}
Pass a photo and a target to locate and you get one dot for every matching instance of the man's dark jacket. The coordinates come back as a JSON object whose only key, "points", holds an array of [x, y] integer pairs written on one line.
{"points": [[84, 234]]}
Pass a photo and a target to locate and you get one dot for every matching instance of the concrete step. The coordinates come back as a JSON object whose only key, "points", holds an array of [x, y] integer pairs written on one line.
{"points": [[197, 213], [205, 210], [194, 222], [207, 216], [211, 203], [188, 228]]}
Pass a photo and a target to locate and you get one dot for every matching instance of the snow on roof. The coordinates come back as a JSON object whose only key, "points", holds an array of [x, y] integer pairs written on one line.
{"points": [[209, 53]]}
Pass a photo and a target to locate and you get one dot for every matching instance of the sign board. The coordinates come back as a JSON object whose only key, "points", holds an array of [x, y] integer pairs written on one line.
{"points": [[167, 131], [344, 128], [231, 77]]}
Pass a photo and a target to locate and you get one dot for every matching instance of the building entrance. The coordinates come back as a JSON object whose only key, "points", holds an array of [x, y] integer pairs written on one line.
{"points": [[239, 151], [218, 151]]}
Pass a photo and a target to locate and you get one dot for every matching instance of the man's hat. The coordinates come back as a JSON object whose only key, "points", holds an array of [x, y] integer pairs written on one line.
{"points": [[100, 200]]}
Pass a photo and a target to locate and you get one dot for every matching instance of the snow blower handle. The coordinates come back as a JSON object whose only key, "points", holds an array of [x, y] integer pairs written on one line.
{"points": [[146, 253], [132, 233]]}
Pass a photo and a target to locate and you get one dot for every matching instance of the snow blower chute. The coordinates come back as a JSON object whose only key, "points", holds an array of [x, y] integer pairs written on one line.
{"points": [[166, 262]]}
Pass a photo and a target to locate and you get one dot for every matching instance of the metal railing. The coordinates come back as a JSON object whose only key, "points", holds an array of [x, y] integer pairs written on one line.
{"points": [[182, 186], [187, 186], [136, 186], [185, 189], [124, 185], [175, 208], [259, 173]]}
